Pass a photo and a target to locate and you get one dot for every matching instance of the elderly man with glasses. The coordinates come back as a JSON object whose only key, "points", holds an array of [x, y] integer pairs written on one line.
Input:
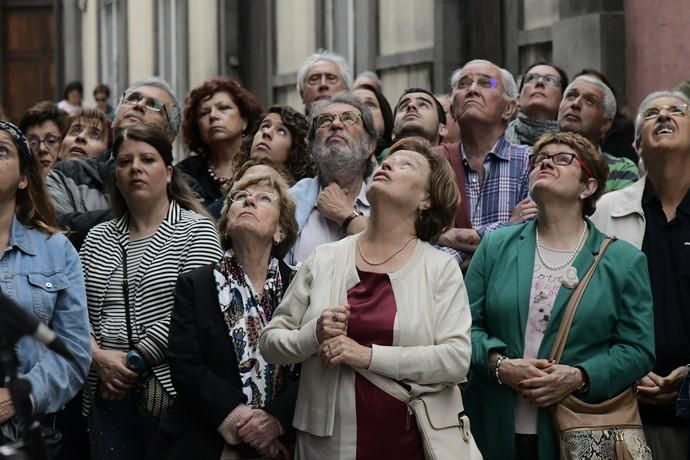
{"points": [[79, 188], [653, 214], [334, 204], [491, 173]]}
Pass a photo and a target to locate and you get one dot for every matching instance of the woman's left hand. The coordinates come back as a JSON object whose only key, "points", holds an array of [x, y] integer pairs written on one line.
{"points": [[260, 430], [344, 350], [547, 390]]}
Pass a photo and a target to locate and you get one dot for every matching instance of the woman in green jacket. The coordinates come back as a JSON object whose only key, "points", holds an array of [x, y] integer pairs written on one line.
{"points": [[519, 283]]}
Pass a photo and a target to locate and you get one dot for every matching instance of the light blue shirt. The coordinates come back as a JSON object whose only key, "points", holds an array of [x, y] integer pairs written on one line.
{"points": [[314, 228], [43, 275]]}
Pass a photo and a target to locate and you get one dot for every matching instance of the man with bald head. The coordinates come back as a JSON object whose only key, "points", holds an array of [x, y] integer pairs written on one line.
{"points": [[491, 173], [654, 215]]}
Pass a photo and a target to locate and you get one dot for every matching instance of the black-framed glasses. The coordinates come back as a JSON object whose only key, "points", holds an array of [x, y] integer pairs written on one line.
{"points": [[674, 110], [482, 80], [549, 80], [151, 103], [559, 159], [349, 118], [51, 141], [262, 198]]}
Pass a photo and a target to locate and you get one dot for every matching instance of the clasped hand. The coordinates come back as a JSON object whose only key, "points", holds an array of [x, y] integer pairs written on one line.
{"points": [[655, 389], [335, 346], [542, 382], [261, 430], [334, 203], [116, 379]]}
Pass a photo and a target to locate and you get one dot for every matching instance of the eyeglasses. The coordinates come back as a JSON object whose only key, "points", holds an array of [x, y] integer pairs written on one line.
{"points": [[51, 141], [150, 103], [674, 110], [349, 118], [484, 81], [559, 159], [262, 198], [549, 80]]}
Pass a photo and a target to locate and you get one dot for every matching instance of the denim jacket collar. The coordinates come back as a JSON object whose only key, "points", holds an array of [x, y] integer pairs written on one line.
{"points": [[20, 237]]}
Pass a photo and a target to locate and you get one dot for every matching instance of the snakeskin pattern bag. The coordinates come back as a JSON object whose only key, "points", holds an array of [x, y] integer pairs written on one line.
{"points": [[611, 430]]}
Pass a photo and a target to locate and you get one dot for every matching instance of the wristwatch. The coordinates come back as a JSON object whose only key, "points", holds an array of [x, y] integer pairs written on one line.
{"points": [[137, 363], [584, 388], [348, 220]]}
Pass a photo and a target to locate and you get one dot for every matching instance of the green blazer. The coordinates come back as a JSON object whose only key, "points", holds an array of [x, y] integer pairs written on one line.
{"points": [[612, 335]]}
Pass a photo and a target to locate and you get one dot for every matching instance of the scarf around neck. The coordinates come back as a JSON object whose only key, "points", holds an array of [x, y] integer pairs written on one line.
{"points": [[527, 130]]}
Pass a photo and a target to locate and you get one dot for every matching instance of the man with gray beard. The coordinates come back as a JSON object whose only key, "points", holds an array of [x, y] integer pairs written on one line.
{"points": [[334, 204]]}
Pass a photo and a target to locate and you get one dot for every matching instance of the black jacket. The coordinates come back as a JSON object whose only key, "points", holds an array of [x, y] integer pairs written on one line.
{"points": [[205, 374]]}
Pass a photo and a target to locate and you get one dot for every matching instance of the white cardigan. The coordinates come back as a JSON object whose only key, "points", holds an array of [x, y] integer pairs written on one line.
{"points": [[431, 339]]}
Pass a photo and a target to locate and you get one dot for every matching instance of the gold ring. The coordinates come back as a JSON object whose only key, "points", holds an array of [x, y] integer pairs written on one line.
{"points": [[330, 352]]}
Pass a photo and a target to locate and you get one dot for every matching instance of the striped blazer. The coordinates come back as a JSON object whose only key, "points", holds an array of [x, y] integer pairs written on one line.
{"points": [[184, 240]]}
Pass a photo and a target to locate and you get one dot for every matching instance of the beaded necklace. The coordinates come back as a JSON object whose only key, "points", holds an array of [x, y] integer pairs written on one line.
{"points": [[572, 256]]}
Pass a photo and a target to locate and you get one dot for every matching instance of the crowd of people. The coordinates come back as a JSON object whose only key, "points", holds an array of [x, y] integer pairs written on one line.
{"points": [[260, 298]]}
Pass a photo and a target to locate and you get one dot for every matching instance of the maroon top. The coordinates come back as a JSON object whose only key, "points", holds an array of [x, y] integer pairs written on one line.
{"points": [[382, 421]]}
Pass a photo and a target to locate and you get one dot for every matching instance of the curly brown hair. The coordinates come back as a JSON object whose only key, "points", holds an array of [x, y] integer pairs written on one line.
{"points": [[590, 156], [443, 191], [246, 102], [299, 162]]}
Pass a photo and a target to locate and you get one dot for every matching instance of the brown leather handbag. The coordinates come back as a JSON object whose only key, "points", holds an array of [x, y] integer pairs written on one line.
{"points": [[611, 430]]}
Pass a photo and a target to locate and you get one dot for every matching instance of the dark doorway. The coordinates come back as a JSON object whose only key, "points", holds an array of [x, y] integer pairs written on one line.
{"points": [[28, 50]]}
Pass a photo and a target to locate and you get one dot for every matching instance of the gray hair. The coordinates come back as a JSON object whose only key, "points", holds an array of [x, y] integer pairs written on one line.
{"points": [[324, 55], [609, 102], [343, 97], [370, 75], [510, 88], [639, 119], [174, 114]]}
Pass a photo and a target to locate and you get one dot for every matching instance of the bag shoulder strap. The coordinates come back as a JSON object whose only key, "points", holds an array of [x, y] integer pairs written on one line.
{"points": [[125, 294], [574, 302], [390, 386]]}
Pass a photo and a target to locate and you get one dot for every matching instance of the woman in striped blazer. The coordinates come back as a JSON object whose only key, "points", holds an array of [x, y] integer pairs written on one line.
{"points": [[131, 265]]}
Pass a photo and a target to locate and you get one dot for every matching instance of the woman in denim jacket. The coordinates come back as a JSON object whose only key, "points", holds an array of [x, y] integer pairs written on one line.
{"points": [[41, 272]]}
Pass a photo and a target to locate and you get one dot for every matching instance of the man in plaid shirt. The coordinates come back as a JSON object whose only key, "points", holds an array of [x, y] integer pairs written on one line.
{"points": [[496, 172]]}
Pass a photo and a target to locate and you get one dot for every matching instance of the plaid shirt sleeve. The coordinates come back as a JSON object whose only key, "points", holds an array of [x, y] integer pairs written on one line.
{"points": [[506, 183]]}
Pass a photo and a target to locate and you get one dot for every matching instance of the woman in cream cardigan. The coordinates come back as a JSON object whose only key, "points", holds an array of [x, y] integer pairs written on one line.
{"points": [[384, 300]]}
